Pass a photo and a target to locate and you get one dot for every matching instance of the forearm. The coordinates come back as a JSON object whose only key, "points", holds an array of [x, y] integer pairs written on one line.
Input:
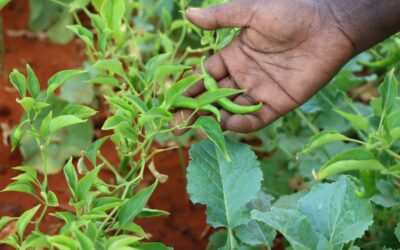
{"points": [[366, 22]]}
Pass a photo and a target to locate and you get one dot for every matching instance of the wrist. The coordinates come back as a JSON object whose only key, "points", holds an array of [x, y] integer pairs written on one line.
{"points": [[365, 22]]}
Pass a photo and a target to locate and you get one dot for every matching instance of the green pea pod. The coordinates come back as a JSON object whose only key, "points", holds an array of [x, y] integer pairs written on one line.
{"points": [[226, 103], [368, 181], [191, 103]]}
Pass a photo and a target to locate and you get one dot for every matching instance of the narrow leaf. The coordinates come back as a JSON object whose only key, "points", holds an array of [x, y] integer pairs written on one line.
{"points": [[135, 205]]}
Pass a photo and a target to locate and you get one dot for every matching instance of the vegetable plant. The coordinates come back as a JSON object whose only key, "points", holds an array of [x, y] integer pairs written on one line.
{"points": [[325, 176]]}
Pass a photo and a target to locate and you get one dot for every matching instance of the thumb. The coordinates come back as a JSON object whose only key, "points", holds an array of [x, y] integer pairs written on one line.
{"points": [[235, 14]]}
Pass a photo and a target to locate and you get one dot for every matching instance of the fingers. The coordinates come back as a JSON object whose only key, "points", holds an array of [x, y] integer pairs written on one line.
{"points": [[215, 67], [249, 122], [235, 14], [180, 117]]}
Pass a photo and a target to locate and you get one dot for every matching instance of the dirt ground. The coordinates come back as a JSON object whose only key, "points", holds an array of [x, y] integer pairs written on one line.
{"points": [[184, 229]]}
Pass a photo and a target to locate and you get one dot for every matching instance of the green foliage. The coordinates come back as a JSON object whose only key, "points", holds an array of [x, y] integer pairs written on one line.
{"points": [[329, 215], [140, 55]]}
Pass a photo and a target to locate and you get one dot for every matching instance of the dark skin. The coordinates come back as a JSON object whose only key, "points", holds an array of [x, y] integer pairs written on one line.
{"points": [[288, 49]]}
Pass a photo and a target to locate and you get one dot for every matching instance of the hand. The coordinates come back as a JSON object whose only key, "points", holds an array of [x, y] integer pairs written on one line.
{"points": [[286, 52]]}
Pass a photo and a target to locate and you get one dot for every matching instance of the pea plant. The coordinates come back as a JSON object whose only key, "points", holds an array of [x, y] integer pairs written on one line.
{"points": [[325, 176]]}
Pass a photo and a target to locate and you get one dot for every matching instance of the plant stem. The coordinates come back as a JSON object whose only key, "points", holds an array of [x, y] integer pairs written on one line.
{"points": [[311, 126], [44, 162], [37, 225], [393, 154]]}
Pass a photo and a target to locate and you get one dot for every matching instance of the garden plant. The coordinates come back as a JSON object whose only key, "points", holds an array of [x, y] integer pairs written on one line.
{"points": [[325, 176]]}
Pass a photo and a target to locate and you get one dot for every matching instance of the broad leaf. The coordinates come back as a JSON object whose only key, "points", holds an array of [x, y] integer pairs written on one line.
{"points": [[223, 185], [335, 211], [292, 224]]}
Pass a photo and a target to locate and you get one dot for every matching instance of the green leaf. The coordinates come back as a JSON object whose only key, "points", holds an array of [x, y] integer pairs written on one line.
{"points": [[137, 102], [181, 87], [256, 233], [163, 71], [122, 104], [135, 205], [292, 224], [155, 113], [83, 33], [214, 132], [24, 220], [212, 96], [85, 184], [12, 241], [397, 231], [217, 240], [36, 240], [60, 78], [63, 241], [113, 11], [354, 159], [3, 3], [223, 185], [152, 246], [71, 177], [58, 32], [19, 81], [105, 80], [84, 241], [387, 195], [336, 211], [64, 121], [93, 150], [388, 91], [52, 200], [148, 213], [25, 177], [323, 138], [112, 65], [20, 186], [79, 111], [27, 103], [17, 135], [357, 121], [32, 83], [113, 122], [117, 242], [5, 220], [28, 170]]}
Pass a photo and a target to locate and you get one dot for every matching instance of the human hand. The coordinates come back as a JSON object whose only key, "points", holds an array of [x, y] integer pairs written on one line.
{"points": [[286, 52]]}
